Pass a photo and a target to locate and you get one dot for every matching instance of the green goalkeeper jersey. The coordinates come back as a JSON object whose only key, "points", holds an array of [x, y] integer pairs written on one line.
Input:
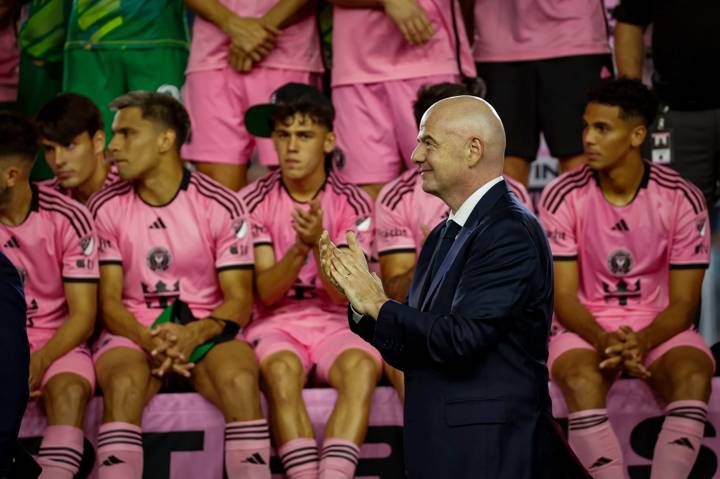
{"points": [[127, 24], [42, 34]]}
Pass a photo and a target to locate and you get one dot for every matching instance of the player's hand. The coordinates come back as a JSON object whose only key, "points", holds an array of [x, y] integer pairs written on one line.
{"points": [[411, 19], [633, 353], [254, 36], [610, 347], [38, 366], [174, 344], [308, 225]]}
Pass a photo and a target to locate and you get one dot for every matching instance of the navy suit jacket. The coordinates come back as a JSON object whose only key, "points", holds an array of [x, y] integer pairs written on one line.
{"points": [[473, 349]]}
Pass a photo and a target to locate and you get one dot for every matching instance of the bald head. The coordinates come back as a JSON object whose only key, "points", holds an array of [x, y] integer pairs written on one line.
{"points": [[468, 117]]}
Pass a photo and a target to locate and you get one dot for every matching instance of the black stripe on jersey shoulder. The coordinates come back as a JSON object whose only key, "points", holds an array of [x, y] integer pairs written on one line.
{"points": [[565, 258], [690, 266], [567, 183], [215, 191], [359, 203], [78, 218], [671, 180], [396, 250], [117, 188], [398, 189], [57, 198], [254, 196], [519, 191], [229, 267], [79, 280]]}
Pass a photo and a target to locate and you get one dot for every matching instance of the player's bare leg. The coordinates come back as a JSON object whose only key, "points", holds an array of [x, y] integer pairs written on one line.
{"points": [[354, 374], [283, 379], [681, 377], [65, 398], [127, 385], [228, 377], [585, 386], [397, 379], [231, 175]]}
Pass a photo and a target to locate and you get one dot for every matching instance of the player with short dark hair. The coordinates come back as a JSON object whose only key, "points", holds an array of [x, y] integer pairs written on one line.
{"points": [[301, 317], [173, 245], [51, 240], [73, 139], [631, 244]]}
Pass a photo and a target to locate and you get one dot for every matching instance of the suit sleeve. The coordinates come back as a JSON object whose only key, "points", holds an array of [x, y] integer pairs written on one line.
{"points": [[492, 292]]}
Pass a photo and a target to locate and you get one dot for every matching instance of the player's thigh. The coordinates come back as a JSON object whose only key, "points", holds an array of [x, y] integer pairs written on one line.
{"points": [[563, 84], [366, 134], [123, 370], [65, 397], [228, 366], [574, 367], [344, 360], [681, 368], [513, 91]]}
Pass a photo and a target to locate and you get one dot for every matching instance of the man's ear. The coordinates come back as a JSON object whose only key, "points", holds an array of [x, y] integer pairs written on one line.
{"points": [[475, 151], [330, 141], [638, 135], [98, 140], [166, 140]]}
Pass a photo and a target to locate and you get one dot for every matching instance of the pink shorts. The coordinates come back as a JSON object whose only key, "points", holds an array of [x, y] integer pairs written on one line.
{"points": [[77, 361], [320, 346], [376, 129], [563, 341], [217, 100]]}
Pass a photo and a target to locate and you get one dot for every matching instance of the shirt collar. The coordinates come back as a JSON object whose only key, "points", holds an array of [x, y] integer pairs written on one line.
{"points": [[463, 213]]}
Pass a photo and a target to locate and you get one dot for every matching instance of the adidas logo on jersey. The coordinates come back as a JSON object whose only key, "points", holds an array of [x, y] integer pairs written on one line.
{"points": [[158, 224], [11, 243], [620, 226], [255, 459]]}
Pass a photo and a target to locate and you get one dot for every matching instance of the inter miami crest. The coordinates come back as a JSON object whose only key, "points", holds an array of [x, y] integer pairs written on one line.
{"points": [[159, 259], [620, 262]]}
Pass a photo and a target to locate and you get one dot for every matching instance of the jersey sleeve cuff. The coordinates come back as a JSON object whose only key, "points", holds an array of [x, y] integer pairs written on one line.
{"points": [[110, 261], [689, 265], [565, 257], [227, 267], [70, 279], [397, 249]]}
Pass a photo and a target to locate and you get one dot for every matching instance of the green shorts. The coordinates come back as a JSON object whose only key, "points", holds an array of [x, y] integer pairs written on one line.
{"points": [[105, 74]]}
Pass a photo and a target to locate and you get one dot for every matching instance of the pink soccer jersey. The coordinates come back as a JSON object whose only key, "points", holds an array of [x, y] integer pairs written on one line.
{"points": [[172, 251], [383, 54], [404, 213], [519, 30], [345, 208], [54, 183], [625, 254], [56, 244], [297, 47]]}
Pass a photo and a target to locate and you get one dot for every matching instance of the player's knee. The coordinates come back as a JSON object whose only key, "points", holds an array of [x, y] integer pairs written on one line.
{"points": [[691, 380], [67, 397], [124, 390], [237, 381], [284, 377], [581, 382], [359, 373]]}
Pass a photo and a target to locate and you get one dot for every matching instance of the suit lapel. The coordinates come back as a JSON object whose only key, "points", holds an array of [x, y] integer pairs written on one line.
{"points": [[423, 266], [479, 212]]}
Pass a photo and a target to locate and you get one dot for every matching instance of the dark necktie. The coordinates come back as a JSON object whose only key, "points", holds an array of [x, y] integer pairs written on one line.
{"points": [[450, 231]]}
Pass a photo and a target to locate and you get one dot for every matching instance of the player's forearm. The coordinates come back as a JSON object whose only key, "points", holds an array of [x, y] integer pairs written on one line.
{"points": [[75, 331], [629, 50], [286, 12], [572, 314], [120, 322], [335, 296], [397, 287], [233, 309], [676, 318], [212, 11], [274, 282]]}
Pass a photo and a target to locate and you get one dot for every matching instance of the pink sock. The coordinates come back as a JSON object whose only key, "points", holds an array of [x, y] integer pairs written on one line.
{"points": [[247, 449], [119, 451], [299, 458], [338, 459], [61, 452], [593, 440], [679, 441]]}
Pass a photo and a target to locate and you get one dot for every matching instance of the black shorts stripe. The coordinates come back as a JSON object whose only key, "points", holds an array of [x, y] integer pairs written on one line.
{"points": [[103, 262], [222, 193], [105, 195], [232, 205], [360, 205], [396, 250], [263, 186], [697, 204], [690, 266], [79, 280], [567, 185], [399, 188], [234, 266], [565, 258], [263, 243], [80, 217]]}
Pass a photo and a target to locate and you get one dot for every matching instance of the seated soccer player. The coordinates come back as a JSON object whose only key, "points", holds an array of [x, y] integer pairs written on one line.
{"points": [[630, 241], [405, 214], [302, 319], [72, 136], [169, 235], [51, 240]]}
